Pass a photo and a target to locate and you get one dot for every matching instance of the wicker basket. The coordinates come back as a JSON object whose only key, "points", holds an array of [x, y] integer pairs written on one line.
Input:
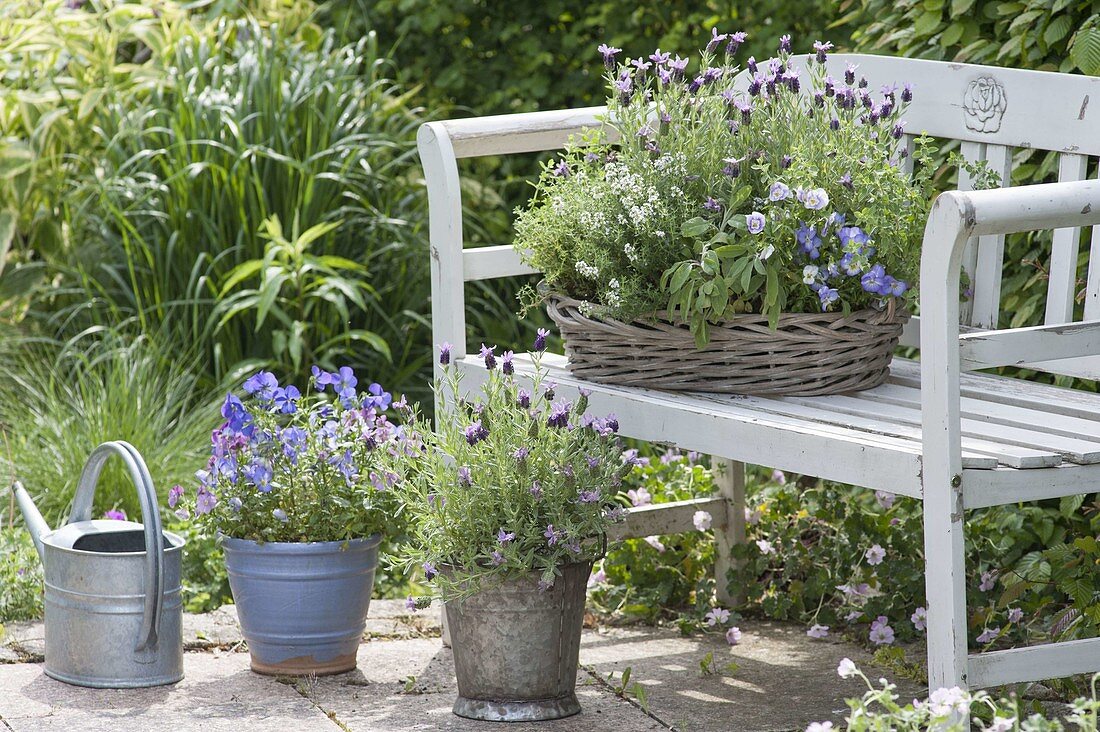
{"points": [[807, 354]]}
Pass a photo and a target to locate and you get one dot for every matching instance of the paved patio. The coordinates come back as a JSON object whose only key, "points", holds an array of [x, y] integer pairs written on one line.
{"points": [[405, 682]]}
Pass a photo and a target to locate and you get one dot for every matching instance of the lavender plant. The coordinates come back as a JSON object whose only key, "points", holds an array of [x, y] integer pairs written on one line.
{"points": [[778, 190], [515, 481], [292, 467]]}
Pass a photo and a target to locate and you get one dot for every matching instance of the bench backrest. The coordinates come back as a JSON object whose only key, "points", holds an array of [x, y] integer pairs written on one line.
{"points": [[990, 111]]}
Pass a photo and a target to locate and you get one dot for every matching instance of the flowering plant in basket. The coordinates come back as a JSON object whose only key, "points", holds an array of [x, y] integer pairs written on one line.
{"points": [[517, 480], [292, 467], [773, 189]]}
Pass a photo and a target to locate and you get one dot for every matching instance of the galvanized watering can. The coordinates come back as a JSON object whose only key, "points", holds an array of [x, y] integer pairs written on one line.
{"points": [[113, 608]]}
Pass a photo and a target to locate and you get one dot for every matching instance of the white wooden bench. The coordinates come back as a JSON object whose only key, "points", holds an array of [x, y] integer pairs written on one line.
{"points": [[958, 441]]}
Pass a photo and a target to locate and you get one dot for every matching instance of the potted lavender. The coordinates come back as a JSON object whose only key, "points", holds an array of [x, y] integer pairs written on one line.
{"points": [[298, 488], [757, 226], [507, 510]]}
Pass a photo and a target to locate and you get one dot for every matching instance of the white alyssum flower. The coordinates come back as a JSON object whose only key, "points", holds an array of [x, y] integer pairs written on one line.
{"points": [[630, 251], [587, 270]]}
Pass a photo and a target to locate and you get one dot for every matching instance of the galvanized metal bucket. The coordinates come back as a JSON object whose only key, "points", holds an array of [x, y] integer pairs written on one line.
{"points": [[113, 610], [302, 606], [516, 648]]}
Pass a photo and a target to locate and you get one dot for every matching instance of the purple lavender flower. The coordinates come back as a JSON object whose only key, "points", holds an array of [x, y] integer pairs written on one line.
{"points": [[608, 53], [659, 58], [488, 357], [521, 454], [552, 535], [445, 353], [746, 111], [115, 514], [712, 204], [536, 490], [751, 65], [716, 39], [677, 67], [898, 131], [429, 570], [785, 43], [733, 167], [548, 391], [588, 497], [846, 181], [907, 93], [410, 604], [476, 432], [834, 124], [593, 462], [523, 397], [695, 85], [561, 170], [850, 74], [540, 339], [785, 162], [506, 364], [822, 50], [735, 41], [755, 222], [754, 86], [503, 537], [497, 558], [559, 414]]}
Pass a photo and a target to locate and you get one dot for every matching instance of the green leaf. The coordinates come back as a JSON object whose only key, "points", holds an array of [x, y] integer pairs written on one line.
{"points": [[960, 7], [680, 276], [1058, 28], [696, 227], [952, 34], [15, 158], [1085, 51], [927, 23], [7, 234]]}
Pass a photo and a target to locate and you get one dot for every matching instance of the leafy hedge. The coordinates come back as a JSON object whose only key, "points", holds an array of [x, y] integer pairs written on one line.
{"points": [[540, 55]]}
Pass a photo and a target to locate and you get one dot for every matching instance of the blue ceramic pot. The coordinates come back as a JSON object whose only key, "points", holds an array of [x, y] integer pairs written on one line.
{"points": [[302, 606]]}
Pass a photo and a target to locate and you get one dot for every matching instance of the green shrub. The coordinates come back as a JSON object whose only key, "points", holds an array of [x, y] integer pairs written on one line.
{"points": [[58, 401], [20, 576], [659, 577]]}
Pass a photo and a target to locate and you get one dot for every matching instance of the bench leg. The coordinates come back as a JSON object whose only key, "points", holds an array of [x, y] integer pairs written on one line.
{"points": [[730, 477], [945, 586]]}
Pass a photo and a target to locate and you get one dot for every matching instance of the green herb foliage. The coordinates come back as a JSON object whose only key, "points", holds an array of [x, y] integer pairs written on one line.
{"points": [[513, 481]]}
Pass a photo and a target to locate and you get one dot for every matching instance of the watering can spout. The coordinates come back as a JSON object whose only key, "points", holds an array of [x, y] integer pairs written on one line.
{"points": [[36, 525]]}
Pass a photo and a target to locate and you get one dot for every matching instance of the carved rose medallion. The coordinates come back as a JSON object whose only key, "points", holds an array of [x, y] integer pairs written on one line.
{"points": [[984, 104]]}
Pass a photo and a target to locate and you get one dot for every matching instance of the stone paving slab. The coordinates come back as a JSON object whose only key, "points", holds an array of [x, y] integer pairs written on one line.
{"points": [[218, 694], [783, 681]]}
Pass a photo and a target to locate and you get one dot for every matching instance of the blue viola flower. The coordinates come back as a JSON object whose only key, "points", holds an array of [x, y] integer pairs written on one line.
{"points": [[259, 474], [894, 287], [755, 222], [262, 385], [322, 378], [237, 417], [850, 264], [779, 191], [344, 383], [285, 399], [828, 296], [852, 237], [280, 515], [874, 280], [377, 397]]}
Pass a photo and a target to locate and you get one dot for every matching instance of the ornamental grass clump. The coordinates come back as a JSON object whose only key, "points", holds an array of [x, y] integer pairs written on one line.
{"points": [[776, 189], [515, 480], [291, 467]]}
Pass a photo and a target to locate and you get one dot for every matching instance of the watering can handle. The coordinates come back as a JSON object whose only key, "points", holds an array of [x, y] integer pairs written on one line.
{"points": [[154, 534]]}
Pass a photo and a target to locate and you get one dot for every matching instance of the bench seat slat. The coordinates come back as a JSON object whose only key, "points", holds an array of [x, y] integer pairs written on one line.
{"points": [[1008, 425], [990, 411], [1004, 390], [1076, 450]]}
